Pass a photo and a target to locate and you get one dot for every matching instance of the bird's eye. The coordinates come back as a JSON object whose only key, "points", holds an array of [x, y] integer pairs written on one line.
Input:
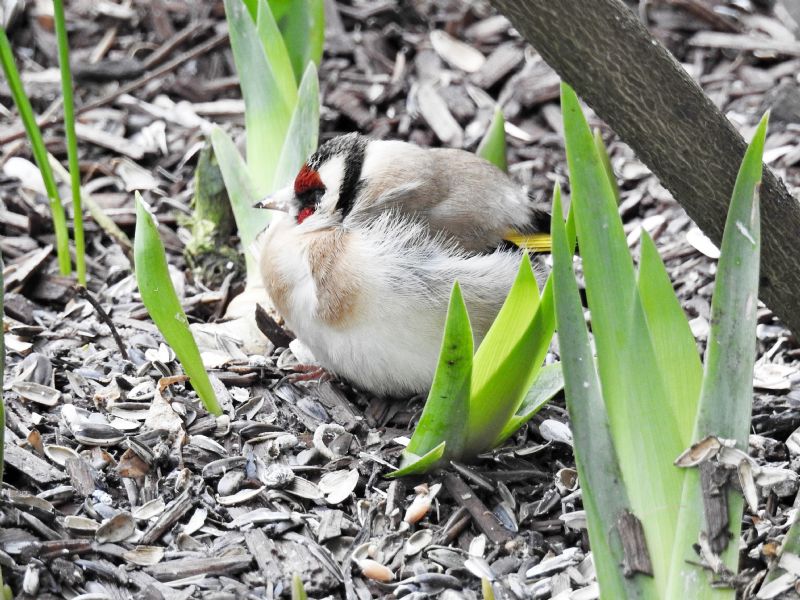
{"points": [[309, 201]]}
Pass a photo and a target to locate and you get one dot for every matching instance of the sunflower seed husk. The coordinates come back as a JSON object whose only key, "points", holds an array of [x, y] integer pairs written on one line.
{"points": [[240, 497], [59, 454], [117, 529], [144, 556], [36, 392], [149, 510]]}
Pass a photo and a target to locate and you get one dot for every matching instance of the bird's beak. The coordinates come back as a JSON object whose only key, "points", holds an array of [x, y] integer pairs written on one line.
{"points": [[279, 200]]}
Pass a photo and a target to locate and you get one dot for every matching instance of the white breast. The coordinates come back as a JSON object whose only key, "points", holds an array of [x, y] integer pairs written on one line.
{"points": [[403, 278]]}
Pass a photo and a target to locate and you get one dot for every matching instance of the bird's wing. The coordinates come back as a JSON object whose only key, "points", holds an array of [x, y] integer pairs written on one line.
{"points": [[534, 242]]}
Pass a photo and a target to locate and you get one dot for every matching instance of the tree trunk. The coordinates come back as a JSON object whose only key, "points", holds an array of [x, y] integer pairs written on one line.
{"points": [[605, 53]]}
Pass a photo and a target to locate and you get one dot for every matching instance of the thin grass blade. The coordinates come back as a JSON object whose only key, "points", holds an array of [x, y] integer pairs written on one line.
{"points": [[603, 490], [303, 133], [72, 140], [267, 114], [2, 373], [39, 151], [493, 145], [5, 591], [727, 389], [161, 301], [641, 414]]}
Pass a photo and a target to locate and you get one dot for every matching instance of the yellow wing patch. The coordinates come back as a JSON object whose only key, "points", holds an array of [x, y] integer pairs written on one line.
{"points": [[535, 242]]}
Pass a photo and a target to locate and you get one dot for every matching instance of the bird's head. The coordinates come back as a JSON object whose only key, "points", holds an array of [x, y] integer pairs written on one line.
{"points": [[327, 186]]}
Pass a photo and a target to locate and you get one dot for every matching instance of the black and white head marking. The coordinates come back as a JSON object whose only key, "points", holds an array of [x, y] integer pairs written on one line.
{"points": [[352, 147]]}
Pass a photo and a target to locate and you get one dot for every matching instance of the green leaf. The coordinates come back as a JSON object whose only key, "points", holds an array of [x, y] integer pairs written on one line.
{"points": [[605, 497], [417, 465], [493, 144], [298, 589], [276, 53], [303, 27], [641, 414], [548, 383], [602, 152], [39, 151], [486, 589], [444, 418], [161, 301], [536, 336], [727, 389], [72, 140], [303, 133], [242, 193], [790, 545], [252, 8], [267, 113], [674, 344], [506, 363]]}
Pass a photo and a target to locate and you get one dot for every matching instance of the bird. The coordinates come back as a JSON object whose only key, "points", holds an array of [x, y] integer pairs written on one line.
{"points": [[362, 253]]}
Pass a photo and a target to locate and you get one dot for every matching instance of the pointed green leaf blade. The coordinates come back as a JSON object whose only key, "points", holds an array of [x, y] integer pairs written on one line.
{"points": [[604, 494], [302, 137], [493, 144], [531, 349], [726, 396], [242, 193], [161, 301], [444, 418], [506, 363], [548, 383], [640, 411], [602, 152], [276, 53], [675, 346], [303, 27], [298, 589], [267, 114], [417, 465]]}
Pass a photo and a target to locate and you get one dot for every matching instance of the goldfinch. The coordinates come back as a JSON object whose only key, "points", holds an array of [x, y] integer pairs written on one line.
{"points": [[373, 235]]}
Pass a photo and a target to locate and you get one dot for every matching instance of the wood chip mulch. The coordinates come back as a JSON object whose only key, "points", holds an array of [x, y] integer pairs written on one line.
{"points": [[119, 485]]}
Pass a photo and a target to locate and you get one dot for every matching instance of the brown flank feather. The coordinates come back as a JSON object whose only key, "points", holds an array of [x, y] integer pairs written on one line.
{"points": [[337, 296]]}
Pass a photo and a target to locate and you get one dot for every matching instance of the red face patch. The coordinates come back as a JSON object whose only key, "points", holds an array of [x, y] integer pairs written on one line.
{"points": [[308, 187], [304, 214], [307, 179]]}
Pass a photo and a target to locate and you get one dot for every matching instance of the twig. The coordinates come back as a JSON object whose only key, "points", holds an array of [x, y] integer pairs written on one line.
{"points": [[483, 517], [702, 10], [87, 295], [176, 40], [199, 50]]}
